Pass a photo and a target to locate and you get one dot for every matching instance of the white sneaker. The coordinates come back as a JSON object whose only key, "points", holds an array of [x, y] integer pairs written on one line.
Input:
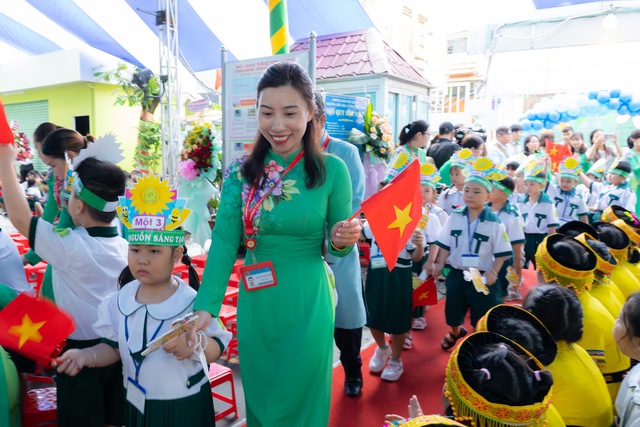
{"points": [[379, 358], [393, 371]]}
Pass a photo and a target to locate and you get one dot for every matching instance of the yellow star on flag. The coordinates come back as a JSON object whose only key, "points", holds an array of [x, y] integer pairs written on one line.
{"points": [[553, 151], [554, 165], [402, 218], [424, 295], [27, 331]]}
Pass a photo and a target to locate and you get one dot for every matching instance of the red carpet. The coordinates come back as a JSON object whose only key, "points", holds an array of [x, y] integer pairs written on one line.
{"points": [[424, 368]]}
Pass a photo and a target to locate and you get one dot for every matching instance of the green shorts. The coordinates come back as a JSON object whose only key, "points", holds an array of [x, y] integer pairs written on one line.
{"points": [[462, 297]]}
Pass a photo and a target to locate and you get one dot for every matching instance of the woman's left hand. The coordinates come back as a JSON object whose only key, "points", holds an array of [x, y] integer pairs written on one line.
{"points": [[179, 347], [346, 233]]}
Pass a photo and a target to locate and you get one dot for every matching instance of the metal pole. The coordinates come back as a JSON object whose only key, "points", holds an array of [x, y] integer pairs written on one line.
{"points": [[312, 57], [225, 146]]}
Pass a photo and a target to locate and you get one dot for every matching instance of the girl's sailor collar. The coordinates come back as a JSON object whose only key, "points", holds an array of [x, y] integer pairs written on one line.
{"points": [[168, 309]]}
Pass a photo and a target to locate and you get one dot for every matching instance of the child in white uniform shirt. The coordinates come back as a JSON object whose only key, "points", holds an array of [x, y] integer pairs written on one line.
{"points": [[451, 198], [618, 192], [170, 386], [570, 205], [472, 237], [85, 265], [538, 213]]}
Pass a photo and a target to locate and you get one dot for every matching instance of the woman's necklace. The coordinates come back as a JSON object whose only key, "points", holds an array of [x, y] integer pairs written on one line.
{"points": [[148, 300]]}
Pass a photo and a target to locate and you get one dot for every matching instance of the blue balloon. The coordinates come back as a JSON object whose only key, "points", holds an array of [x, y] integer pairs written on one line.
{"points": [[634, 106], [614, 103], [603, 110], [542, 114], [553, 116], [574, 111], [526, 124], [625, 97], [614, 93], [531, 115], [592, 106], [537, 124], [548, 124], [584, 112], [623, 110], [603, 97], [565, 117], [593, 94], [581, 100]]}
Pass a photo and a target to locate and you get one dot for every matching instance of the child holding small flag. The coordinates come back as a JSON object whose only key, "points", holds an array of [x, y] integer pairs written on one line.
{"points": [[85, 266], [150, 301], [474, 243]]}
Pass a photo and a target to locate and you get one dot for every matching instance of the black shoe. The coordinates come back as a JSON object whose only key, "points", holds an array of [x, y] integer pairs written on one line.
{"points": [[353, 386]]}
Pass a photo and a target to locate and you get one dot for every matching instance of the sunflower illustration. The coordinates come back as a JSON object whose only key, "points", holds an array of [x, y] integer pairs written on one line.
{"points": [[401, 159], [151, 195], [482, 164], [465, 153], [571, 163], [427, 169]]}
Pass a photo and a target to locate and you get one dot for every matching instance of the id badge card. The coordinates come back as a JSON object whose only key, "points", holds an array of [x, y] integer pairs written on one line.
{"points": [[258, 276], [378, 261], [136, 394], [470, 261]]}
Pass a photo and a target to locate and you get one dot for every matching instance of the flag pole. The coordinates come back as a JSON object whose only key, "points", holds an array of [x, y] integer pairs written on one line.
{"points": [[278, 27]]}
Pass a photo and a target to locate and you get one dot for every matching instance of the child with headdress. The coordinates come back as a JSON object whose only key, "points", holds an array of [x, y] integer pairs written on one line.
{"points": [[628, 222], [570, 263], [537, 210], [474, 244], [85, 265], [451, 198], [569, 203], [627, 334], [619, 244], [579, 391], [431, 226], [617, 192], [167, 386], [491, 381], [507, 213], [603, 289]]}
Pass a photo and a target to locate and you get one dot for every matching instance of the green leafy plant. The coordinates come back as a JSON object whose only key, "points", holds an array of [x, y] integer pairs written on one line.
{"points": [[149, 149]]}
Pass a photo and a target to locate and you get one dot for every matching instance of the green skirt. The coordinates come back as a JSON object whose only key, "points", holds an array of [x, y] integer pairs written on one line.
{"points": [[191, 411], [389, 299]]}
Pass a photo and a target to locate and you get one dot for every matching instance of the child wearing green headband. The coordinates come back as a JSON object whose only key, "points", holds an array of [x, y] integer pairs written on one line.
{"points": [[538, 213], [86, 263]]}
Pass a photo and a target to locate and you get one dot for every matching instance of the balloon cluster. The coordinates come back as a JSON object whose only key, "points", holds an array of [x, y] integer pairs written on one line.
{"points": [[565, 107]]}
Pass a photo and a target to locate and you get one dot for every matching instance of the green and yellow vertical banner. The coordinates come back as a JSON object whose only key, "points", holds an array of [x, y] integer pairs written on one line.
{"points": [[278, 26]]}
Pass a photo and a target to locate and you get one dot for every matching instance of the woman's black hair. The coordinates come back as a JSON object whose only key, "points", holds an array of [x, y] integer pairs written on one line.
{"points": [[571, 253], [410, 130], [576, 228], [511, 380], [56, 143], [472, 141], [630, 315], [583, 147], [291, 74], [527, 140], [635, 134], [42, 131], [126, 276], [105, 180], [558, 308], [523, 333], [611, 235]]}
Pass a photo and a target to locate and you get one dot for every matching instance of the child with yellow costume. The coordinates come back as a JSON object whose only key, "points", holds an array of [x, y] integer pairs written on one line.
{"points": [[619, 244]]}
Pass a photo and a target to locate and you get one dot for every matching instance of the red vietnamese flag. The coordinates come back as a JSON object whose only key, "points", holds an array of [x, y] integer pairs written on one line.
{"points": [[425, 294], [6, 136], [34, 327], [394, 212], [557, 153]]}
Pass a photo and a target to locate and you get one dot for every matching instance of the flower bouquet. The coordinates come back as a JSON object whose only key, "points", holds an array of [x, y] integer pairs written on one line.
{"points": [[376, 144], [22, 144], [197, 169]]}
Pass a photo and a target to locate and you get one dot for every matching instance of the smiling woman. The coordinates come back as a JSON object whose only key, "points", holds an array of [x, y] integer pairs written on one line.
{"points": [[289, 194]]}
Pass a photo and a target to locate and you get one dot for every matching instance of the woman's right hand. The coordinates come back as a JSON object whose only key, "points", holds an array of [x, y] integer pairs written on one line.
{"points": [[201, 324]]}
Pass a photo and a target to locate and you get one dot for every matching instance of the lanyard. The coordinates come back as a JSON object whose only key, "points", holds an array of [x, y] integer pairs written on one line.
{"points": [[414, 155], [250, 212], [475, 227], [325, 143], [137, 357]]}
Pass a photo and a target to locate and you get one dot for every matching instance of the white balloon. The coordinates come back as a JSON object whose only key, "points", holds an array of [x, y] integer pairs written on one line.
{"points": [[622, 118], [636, 121]]}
